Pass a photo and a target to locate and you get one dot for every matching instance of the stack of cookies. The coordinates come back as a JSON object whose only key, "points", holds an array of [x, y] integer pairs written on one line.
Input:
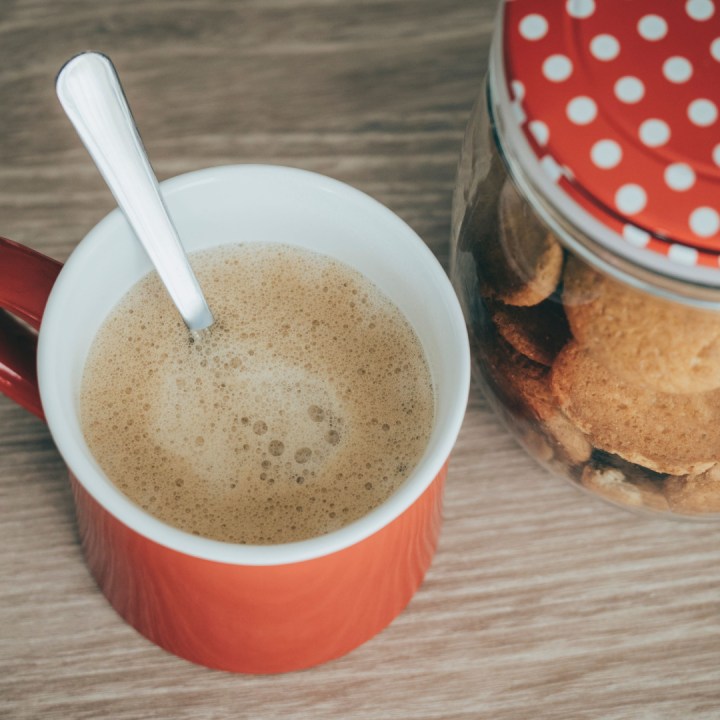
{"points": [[616, 388]]}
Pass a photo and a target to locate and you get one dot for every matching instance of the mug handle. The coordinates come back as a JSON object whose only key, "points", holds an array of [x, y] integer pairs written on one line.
{"points": [[26, 278]]}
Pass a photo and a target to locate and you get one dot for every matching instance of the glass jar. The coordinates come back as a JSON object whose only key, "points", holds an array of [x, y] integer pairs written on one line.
{"points": [[586, 245]]}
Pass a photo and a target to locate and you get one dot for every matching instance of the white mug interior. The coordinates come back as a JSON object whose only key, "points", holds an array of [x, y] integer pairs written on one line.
{"points": [[255, 203]]}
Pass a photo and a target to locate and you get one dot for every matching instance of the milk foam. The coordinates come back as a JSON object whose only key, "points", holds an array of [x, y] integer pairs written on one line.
{"points": [[303, 408]]}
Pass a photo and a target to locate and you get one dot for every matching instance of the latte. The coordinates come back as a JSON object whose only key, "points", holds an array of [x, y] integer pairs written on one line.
{"points": [[304, 407]]}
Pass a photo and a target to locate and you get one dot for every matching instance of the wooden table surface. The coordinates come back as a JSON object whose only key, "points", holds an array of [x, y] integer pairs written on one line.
{"points": [[541, 602]]}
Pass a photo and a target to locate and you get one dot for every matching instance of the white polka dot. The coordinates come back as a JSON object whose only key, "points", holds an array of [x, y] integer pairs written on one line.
{"points": [[518, 89], [533, 27], [580, 8], [630, 199], [700, 9], [635, 236], [629, 89], [581, 110], [551, 168], [606, 154], [704, 221], [557, 68], [702, 112], [715, 48], [677, 69], [682, 254], [716, 154], [605, 47], [654, 132], [518, 112], [652, 27], [679, 176], [540, 131]]}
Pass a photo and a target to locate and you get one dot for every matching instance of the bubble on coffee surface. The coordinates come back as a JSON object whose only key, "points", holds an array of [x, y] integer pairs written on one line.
{"points": [[305, 406]]}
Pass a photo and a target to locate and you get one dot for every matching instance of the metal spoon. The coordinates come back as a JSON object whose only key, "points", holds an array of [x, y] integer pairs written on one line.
{"points": [[91, 95]]}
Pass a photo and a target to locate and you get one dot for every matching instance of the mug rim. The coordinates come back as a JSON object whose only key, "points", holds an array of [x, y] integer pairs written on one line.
{"points": [[110, 498]]}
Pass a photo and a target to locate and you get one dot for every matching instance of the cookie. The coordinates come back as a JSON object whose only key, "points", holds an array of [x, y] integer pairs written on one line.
{"points": [[537, 445], [523, 387], [642, 339], [509, 374], [695, 493], [574, 446], [519, 260], [538, 332], [632, 486], [668, 433]]}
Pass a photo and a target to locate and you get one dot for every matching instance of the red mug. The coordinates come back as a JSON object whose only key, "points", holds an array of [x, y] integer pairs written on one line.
{"points": [[255, 609]]}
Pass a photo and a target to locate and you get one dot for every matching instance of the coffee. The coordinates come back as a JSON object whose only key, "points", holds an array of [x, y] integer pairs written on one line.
{"points": [[303, 408]]}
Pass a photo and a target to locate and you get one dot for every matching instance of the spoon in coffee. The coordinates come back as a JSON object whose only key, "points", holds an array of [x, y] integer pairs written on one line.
{"points": [[91, 95]]}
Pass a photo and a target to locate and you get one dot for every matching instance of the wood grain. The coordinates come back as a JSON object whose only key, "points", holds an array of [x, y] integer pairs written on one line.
{"points": [[541, 603]]}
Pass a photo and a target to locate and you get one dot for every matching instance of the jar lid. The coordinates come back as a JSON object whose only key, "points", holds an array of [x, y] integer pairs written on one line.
{"points": [[619, 104]]}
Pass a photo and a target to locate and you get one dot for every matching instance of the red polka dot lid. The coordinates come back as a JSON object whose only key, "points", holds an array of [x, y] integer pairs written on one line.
{"points": [[619, 105]]}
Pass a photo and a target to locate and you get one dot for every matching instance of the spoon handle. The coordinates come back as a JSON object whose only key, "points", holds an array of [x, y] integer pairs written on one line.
{"points": [[91, 95]]}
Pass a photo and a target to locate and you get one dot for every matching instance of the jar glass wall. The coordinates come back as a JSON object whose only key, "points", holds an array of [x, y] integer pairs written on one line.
{"points": [[611, 387]]}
